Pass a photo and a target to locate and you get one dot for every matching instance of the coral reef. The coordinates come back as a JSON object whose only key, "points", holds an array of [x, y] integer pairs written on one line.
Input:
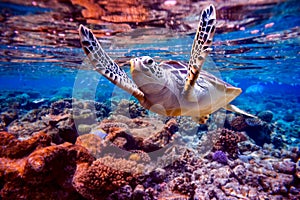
{"points": [[16, 101], [228, 141], [239, 124], [8, 116], [259, 131], [199, 178], [92, 142], [161, 138], [64, 120], [29, 123], [36, 160], [141, 158], [55, 121], [14, 148]]}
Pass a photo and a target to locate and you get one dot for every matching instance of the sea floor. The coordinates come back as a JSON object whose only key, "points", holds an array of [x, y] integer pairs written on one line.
{"points": [[75, 149]]}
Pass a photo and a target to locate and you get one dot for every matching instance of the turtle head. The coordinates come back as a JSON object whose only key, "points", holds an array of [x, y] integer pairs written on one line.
{"points": [[146, 67], [144, 64], [145, 71]]}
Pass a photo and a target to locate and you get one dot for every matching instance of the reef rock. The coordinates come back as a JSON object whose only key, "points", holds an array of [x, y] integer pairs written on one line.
{"points": [[64, 120], [266, 116], [260, 131], [146, 134]]}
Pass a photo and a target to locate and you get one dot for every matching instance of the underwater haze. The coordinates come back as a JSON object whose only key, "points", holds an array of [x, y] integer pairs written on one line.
{"points": [[50, 97]]}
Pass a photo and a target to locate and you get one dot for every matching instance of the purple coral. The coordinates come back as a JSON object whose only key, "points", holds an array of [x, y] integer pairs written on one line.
{"points": [[220, 157]]}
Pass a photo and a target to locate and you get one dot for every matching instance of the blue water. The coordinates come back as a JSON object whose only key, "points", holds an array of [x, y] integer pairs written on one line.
{"points": [[261, 55]]}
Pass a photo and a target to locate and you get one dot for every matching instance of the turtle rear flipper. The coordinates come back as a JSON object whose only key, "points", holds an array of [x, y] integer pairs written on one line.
{"points": [[235, 109], [200, 49], [104, 64]]}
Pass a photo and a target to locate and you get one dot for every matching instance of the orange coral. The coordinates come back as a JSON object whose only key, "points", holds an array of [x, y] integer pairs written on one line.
{"points": [[41, 170], [14, 148]]}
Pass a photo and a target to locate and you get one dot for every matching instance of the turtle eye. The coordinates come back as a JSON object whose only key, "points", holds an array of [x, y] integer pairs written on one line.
{"points": [[148, 61]]}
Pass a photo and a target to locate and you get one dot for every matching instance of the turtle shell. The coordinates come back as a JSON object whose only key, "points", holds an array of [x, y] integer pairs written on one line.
{"points": [[179, 70]]}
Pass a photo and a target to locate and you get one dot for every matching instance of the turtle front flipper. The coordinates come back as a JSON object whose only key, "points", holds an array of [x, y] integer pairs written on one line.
{"points": [[200, 49], [104, 64]]}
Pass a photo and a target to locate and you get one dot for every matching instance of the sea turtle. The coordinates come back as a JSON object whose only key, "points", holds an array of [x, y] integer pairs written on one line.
{"points": [[170, 88]]}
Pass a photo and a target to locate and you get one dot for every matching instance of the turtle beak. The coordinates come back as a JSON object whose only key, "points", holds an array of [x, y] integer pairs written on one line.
{"points": [[136, 65], [131, 65]]}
